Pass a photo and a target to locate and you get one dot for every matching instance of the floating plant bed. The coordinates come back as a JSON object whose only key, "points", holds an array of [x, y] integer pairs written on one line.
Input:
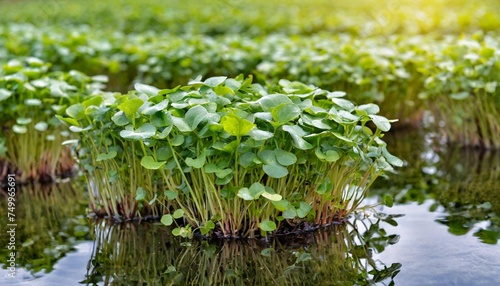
{"points": [[229, 158], [32, 137]]}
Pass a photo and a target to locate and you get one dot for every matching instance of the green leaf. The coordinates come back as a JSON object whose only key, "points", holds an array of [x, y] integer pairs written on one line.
{"points": [[150, 163], [342, 137], [93, 101], [281, 205], [344, 103], [68, 120], [209, 225], [303, 210], [260, 135], [155, 108], [285, 112], [178, 214], [267, 252], [23, 120], [223, 173], [170, 195], [325, 186], [214, 81], [177, 140], [275, 170], [381, 122], [176, 231], [296, 132], [290, 213], [332, 156], [271, 101], [198, 162], [295, 87], [235, 125], [347, 116], [145, 131], [252, 193], [272, 197], [195, 115], [163, 153], [78, 129], [4, 94], [181, 124], [336, 94], [388, 200], [106, 156], [147, 89], [167, 219], [140, 194], [245, 194], [19, 129], [285, 158], [393, 160], [256, 189], [130, 107], [120, 119], [247, 159], [223, 90], [76, 111], [267, 225], [460, 95], [370, 108], [33, 102], [267, 157]]}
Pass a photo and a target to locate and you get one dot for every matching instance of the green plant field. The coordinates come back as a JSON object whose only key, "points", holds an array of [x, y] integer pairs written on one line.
{"points": [[454, 77], [239, 118], [258, 17]]}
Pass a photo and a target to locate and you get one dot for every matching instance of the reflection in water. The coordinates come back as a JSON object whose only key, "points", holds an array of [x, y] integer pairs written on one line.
{"points": [[131, 254], [49, 220], [463, 182]]}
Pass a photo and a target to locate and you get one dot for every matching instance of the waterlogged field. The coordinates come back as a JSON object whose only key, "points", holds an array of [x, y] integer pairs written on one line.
{"points": [[250, 142]]}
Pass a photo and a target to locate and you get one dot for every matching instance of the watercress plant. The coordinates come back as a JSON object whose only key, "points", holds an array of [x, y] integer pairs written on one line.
{"points": [[30, 95], [228, 157]]}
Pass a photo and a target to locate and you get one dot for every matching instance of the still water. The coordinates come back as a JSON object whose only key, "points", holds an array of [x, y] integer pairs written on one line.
{"points": [[442, 230]]}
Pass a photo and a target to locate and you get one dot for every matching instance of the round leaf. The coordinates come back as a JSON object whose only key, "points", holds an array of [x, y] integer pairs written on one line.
{"points": [[236, 125], [145, 131], [272, 197], [285, 158], [178, 213], [149, 162], [106, 156], [381, 122], [267, 225], [167, 219], [41, 126], [275, 171], [285, 112]]}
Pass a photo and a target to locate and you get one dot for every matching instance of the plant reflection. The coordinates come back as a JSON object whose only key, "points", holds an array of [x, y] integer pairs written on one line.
{"points": [[50, 222], [133, 254], [462, 182]]}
